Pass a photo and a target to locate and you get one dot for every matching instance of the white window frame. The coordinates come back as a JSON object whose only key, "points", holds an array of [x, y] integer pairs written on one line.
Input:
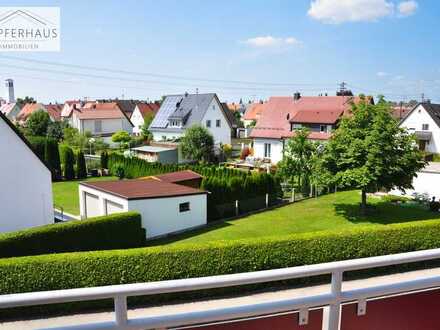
{"points": [[98, 128], [267, 150]]}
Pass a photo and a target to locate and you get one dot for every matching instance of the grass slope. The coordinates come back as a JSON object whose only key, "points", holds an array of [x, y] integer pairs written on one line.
{"points": [[331, 212], [65, 193]]}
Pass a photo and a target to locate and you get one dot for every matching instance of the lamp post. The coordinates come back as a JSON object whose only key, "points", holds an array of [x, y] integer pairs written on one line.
{"points": [[91, 141]]}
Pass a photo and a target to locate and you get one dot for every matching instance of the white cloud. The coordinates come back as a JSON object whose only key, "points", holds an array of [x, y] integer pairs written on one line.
{"points": [[271, 42], [407, 8], [340, 11], [382, 74]]}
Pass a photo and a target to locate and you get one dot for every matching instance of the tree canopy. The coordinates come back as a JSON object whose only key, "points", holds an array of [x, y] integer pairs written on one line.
{"points": [[121, 137], [298, 158], [370, 151], [38, 123], [197, 144]]}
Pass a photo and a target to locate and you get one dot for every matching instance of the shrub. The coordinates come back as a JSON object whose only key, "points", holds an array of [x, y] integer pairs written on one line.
{"points": [[81, 170], [38, 143], [434, 206], [52, 157], [394, 199], [245, 152], [67, 159], [86, 269], [116, 231], [104, 159]]}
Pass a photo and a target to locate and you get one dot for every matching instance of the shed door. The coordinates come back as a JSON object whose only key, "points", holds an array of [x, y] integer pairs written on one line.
{"points": [[92, 206], [113, 207]]}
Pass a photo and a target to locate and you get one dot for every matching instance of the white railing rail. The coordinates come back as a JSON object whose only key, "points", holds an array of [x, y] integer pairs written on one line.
{"points": [[332, 299]]}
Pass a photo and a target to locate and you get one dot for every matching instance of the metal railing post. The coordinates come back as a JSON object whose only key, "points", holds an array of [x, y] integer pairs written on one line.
{"points": [[335, 309], [120, 310]]}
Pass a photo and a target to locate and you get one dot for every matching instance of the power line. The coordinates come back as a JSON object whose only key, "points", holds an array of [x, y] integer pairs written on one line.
{"points": [[88, 75], [157, 75]]}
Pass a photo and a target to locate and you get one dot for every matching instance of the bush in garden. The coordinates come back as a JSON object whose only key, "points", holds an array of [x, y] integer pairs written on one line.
{"points": [[245, 152], [67, 160], [104, 160], [81, 170], [52, 158]]}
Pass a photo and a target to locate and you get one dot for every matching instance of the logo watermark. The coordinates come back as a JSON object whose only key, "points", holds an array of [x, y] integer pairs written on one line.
{"points": [[29, 29]]}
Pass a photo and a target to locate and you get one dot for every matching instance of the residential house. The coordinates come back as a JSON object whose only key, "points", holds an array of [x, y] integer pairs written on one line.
{"points": [[167, 203], [424, 121], [141, 112], [179, 112], [26, 192], [285, 114], [54, 111], [253, 113], [11, 110], [100, 119]]}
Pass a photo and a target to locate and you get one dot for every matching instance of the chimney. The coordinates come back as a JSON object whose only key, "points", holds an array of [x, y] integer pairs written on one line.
{"points": [[10, 85], [296, 96]]}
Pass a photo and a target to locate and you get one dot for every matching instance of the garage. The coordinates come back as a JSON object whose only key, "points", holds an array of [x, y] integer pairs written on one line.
{"points": [[93, 207], [165, 207]]}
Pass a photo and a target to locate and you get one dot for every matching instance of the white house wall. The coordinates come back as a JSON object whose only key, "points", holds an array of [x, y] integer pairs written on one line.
{"points": [[137, 120], [161, 216], [426, 182], [26, 187], [221, 134], [164, 136], [414, 122], [276, 149], [100, 207], [109, 126]]}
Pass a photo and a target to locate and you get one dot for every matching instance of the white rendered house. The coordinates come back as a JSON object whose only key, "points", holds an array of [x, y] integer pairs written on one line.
{"points": [[179, 112], [26, 186], [424, 121]]}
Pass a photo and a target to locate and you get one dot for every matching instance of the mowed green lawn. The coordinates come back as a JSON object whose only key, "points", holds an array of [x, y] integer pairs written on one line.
{"points": [[331, 212], [65, 193]]}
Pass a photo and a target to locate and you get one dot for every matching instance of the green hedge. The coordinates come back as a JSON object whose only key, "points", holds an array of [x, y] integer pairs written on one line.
{"points": [[87, 269], [116, 231]]}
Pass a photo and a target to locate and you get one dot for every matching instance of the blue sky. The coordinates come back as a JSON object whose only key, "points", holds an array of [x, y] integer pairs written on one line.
{"points": [[376, 46]]}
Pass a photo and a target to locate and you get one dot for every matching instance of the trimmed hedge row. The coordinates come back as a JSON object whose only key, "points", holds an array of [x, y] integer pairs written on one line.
{"points": [[117, 231], [86, 269]]}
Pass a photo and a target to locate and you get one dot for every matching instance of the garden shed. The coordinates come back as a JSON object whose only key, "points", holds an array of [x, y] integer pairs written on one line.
{"points": [[165, 207]]}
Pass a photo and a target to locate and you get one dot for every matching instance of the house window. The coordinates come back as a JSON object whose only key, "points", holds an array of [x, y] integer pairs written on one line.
{"points": [[425, 127], [322, 128], [267, 151], [98, 126], [217, 123], [296, 126], [208, 123], [184, 207]]}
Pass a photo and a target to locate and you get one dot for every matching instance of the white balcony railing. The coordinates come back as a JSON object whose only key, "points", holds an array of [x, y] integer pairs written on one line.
{"points": [[332, 299]]}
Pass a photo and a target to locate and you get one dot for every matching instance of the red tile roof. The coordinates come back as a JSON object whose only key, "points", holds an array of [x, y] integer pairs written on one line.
{"points": [[180, 176], [7, 108], [100, 111], [148, 108], [400, 113], [143, 188], [274, 122], [54, 111], [254, 111], [28, 109]]}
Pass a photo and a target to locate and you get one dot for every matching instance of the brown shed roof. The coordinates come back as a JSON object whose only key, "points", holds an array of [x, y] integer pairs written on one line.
{"points": [[142, 188], [180, 176]]}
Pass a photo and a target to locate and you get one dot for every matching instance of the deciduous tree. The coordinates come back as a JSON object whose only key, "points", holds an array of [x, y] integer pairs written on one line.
{"points": [[370, 151]]}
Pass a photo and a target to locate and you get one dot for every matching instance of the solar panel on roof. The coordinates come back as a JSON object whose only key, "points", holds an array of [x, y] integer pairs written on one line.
{"points": [[167, 108]]}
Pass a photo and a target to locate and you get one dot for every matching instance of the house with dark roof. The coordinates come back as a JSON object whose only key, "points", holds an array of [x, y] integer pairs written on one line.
{"points": [[424, 121], [26, 182], [179, 112], [283, 115], [168, 203]]}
